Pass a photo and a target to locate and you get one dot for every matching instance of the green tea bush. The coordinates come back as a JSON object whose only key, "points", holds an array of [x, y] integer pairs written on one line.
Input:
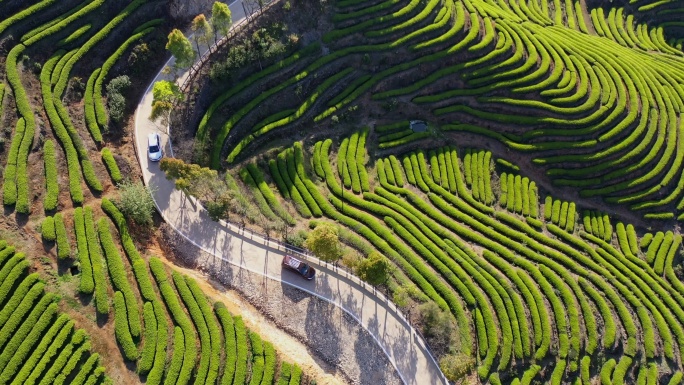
{"points": [[257, 359], [87, 284], [342, 168], [556, 211], [270, 361], [352, 165], [100, 111], [24, 14], [294, 193], [519, 192], [155, 374], [563, 218], [607, 371], [661, 255], [435, 167], [622, 238], [361, 160], [73, 166], [285, 373], [481, 329], [51, 182], [558, 371], [179, 316], [117, 273], [63, 244], [112, 167], [570, 223], [511, 191], [404, 140], [212, 326], [72, 363], [99, 275], [230, 347], [89, 108], [26, 337], [202, 130], [89, 175], [278, 179], [608, 228], [25, 316], [199, 322], [178, 353], [29, 287], [123, 334], [295, 167], [408, 168], [653, 247], [242, 351], [257, 194], [266, 192], [74, 35], [676, 378], [646, 240], [61, 360], [487, 178], [632, 239], [138, 264], [398, 174], [316, 160], [9, 196], [296, 376], [395, 136], [48, 229], [150, 343], [23, 365], [525, 191], [420, 172]]}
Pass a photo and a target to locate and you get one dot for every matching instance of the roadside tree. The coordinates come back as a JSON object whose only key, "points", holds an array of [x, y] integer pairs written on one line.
{"points": [[164, 95], [202, 183], [324, 243], [374, 269], [202, 30], [221, 19], [180, 48]]}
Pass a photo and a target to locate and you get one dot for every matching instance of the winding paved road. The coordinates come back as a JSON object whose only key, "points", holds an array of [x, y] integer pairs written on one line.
{"points": [[406, 350]]}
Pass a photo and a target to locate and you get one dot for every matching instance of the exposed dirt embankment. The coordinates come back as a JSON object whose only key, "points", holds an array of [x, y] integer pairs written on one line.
{"points": [[184, 9]]}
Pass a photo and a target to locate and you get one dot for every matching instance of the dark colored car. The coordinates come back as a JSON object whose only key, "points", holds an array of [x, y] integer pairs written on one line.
{"points": [[299, 267]]}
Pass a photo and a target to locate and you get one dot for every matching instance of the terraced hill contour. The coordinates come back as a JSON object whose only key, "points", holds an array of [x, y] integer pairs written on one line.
{"points": [[591, 96], [540, 289], [57, 136]]}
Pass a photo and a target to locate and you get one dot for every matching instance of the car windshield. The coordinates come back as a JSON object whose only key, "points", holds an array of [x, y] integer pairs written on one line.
{"points": [[154, 148], [303, 269]]}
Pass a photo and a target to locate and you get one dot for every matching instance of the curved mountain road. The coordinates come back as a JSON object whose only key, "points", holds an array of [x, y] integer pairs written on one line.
{"points": [[405, 349]]}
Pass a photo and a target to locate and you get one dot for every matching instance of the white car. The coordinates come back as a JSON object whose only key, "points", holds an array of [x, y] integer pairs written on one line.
{"points": [[154, 150]]}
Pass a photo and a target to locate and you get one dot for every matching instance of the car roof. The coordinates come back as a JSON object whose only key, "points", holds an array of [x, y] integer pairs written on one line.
{"points": [[292, 262], [153, 138]]}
